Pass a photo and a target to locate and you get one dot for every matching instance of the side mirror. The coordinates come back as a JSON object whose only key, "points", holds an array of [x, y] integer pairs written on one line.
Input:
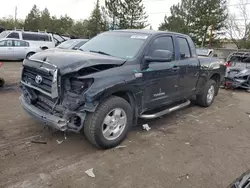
{"points": [[160, 56]]}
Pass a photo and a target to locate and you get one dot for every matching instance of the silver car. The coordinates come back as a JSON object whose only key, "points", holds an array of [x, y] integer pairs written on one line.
{"points": [[16, 49]]}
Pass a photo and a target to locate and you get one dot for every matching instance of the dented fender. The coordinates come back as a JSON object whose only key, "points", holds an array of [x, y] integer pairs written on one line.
{"points": [[103, 88]]}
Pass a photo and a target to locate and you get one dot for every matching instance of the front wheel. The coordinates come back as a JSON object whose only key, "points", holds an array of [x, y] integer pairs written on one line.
{"points": [[206, 98], [108, 126]]}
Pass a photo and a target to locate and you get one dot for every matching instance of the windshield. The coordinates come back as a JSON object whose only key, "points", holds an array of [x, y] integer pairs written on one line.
{"points": [[117, 44], [67, 44], [79, 44], [4, 34], [202, 52]]}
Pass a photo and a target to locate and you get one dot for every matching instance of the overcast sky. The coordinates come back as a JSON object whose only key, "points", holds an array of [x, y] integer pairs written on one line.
{"points": [[81, 9]]}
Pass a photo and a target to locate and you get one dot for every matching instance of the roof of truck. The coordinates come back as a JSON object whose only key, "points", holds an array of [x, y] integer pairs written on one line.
{"points": [[148, 31]]}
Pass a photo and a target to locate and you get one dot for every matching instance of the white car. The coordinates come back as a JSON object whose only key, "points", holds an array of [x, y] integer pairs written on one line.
{"points": [[39, 39], [15, 49]]}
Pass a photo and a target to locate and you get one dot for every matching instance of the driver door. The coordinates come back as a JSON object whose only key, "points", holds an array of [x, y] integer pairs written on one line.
{"points": [[6, 50], [161, 78]]}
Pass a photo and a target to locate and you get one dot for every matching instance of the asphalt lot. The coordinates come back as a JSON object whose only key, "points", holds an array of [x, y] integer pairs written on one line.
{"points": [[194, 147]]}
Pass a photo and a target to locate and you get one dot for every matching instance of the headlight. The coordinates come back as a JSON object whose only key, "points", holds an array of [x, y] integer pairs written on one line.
{"points": [[79, 86]]}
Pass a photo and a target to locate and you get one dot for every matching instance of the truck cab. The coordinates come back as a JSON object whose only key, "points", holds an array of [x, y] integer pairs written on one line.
{"points": [[114, 79]]}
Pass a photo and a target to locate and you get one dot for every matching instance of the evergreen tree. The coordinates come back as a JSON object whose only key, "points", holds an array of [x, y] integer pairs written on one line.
{"points": [[194, 17], [65, 24], [79, 29], [179, 20], [45, 20], [113, 8], [32, 20], [104, 19], [95, 21], [132, 14], [9, 23]]}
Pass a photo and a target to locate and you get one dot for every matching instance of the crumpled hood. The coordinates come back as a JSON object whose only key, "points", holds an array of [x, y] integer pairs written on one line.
{"points": [[68, 61]]}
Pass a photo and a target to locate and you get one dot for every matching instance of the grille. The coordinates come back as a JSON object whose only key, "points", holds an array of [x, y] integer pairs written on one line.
{"points": [[29, 75]]}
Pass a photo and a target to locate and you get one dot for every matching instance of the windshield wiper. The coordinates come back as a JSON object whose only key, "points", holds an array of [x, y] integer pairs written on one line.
{"points": [[100, 52]]}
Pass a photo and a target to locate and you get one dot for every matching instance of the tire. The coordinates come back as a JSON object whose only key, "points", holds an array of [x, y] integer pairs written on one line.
{"points": [[2, 82], [203, 99], [29, 55], [94, 126]]}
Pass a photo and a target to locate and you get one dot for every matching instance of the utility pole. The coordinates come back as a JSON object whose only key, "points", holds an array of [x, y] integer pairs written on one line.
{"points": [[15, 15], [210, 37]]}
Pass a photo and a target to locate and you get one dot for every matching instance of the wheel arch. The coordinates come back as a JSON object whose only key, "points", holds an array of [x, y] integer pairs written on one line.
{"points": [[217, 78], [31, 52], [126, 93], [44, 47], [131, 99]]}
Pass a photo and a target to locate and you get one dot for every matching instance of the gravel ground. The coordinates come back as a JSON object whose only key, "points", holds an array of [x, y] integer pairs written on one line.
{"points": [[194, 147]]}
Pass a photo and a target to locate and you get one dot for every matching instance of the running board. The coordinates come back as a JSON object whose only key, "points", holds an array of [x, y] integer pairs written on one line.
{"points": [[164, 112]]}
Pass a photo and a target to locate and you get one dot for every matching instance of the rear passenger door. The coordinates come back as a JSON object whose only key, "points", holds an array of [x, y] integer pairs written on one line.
{"points": [[189, 68], [20, 49]]}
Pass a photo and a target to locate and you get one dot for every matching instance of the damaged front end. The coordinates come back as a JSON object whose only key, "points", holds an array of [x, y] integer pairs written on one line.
{"points": [[237, 78], [56, 100]]}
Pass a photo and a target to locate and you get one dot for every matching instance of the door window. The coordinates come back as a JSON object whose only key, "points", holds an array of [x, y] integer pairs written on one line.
{"points": [[3, 43], [6, 43], [13, 35], [162, 43], [20, 43], [184, 48], [36, 37]]}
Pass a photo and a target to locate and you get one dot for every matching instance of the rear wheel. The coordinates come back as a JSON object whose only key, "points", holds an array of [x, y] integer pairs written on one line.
{"points": [[207, 97], [108, 126]]}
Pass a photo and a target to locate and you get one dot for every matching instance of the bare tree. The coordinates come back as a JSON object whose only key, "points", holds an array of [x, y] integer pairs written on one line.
{"points": [[239, 29]]}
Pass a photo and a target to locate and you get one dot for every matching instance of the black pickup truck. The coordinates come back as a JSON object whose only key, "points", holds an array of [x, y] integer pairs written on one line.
{"points": [[114, 79]]}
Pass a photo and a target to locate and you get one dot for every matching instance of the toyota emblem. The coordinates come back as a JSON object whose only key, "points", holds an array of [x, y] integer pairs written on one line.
{"points": [[38, 79]]}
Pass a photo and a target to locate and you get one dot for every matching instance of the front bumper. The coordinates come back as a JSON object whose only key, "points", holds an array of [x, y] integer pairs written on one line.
{"points": [[46, 118]]}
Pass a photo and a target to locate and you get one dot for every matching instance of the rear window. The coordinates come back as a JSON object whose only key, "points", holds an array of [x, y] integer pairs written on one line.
{"points": [[13, 35], [239, 60], [237, 57], [4, 34], [184, 48], [36, 37]]}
